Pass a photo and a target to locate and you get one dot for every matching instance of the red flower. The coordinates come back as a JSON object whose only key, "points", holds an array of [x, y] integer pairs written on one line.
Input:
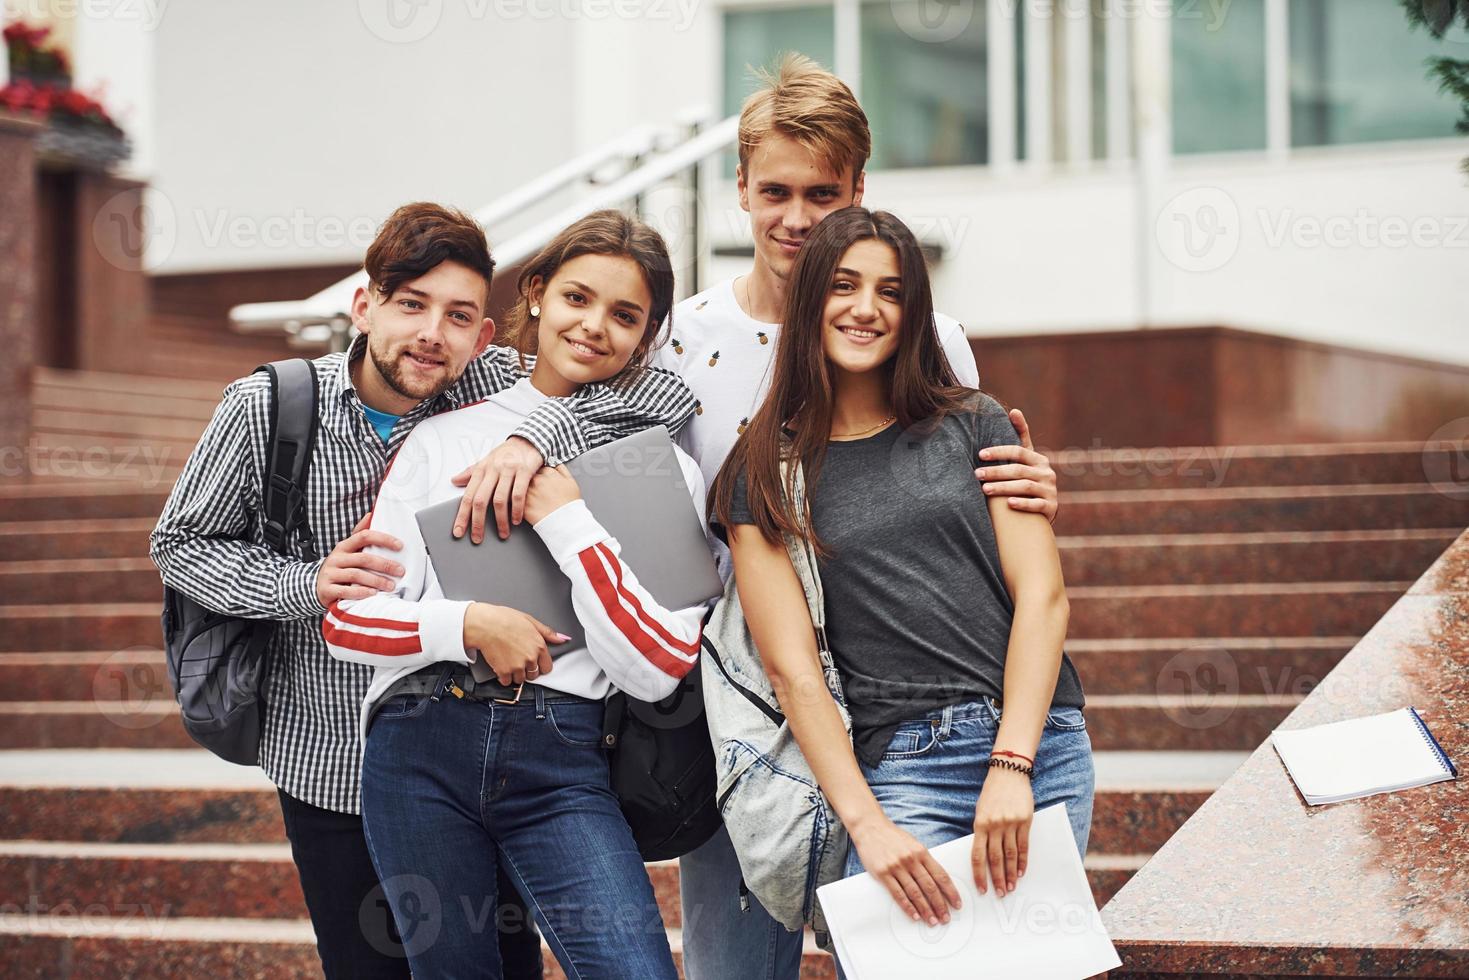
{"points": [[20, 33]]}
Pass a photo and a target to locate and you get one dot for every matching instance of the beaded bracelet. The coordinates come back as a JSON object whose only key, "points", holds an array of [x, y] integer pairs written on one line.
{"points": [[1021, 768]]}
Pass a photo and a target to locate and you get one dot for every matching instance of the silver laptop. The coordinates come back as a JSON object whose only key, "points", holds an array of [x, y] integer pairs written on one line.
{"points": [[635, 488]]}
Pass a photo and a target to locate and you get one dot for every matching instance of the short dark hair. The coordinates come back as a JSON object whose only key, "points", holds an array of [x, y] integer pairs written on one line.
{"points": [[417, 237]]}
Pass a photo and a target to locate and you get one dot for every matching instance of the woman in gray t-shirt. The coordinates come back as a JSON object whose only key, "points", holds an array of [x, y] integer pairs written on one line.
{"points": [[946, 610]]}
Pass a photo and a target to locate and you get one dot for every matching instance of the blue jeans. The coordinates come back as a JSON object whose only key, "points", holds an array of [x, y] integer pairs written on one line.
{"points": [[451, 789], [928, 781], [720, 941]]}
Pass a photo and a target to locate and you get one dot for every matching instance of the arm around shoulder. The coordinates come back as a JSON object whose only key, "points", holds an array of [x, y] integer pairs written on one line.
{"points": [[564, 428]]}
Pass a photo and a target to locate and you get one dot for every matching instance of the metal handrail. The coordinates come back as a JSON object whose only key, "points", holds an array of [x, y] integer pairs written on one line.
{"points": [[325, 315]]}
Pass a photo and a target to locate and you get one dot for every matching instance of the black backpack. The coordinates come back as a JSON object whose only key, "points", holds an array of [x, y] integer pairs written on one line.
{"points": [[217, 663], [662, 766]]}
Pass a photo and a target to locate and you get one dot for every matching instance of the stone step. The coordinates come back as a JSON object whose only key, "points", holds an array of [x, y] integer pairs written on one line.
{"points": [[1197, 721], [1269, 508], [1258, 509], [1397, 554], [101, 455], [188, 796], [1394, 555], [1237, 664], [79, 580], [81, 386], [1097, 612], [103, 675], [1211, 467], [150, 722], [75, 539], [148, 719], [1241, 664], [159, 404], [1226, 694], [1114, 562], [252, 881], [1243, 609], [86, 500], [99, 626], [105, 420], [126, 944]]}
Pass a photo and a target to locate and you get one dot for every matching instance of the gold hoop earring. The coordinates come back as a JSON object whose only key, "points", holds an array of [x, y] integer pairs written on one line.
{"points": [[535, 311]]}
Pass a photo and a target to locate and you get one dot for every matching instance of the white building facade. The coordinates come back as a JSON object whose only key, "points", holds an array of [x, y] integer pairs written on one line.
{"points": [[1284, 165]]}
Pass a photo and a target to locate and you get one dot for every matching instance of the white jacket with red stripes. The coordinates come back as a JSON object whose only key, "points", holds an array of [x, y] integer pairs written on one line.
{"points": [[632, 642]]}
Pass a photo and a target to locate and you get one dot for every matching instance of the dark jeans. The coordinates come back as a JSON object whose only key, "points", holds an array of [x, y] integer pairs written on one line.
{"points": [[454, 791], [355, 935]]}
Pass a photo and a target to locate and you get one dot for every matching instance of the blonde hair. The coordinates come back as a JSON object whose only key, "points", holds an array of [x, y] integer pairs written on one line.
{"points": [[804, 102]]}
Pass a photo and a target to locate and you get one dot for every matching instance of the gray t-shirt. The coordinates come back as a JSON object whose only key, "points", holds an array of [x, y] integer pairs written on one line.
{"points": [[917, 611]]}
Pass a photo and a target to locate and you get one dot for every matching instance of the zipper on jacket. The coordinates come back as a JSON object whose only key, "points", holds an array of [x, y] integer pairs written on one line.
{"points": [[776, 717]]}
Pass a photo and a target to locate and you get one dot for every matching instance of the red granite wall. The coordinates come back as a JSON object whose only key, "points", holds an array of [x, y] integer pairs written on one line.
{"points": [[18, 294], [1204, 386], [211, 294], [108, 238]]}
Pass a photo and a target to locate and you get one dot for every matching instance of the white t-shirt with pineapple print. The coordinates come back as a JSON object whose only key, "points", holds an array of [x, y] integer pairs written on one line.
{"points": [[724, 356]]}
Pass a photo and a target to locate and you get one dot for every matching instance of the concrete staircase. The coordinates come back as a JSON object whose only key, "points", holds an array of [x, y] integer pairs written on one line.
{"points": [[1206, 601]]}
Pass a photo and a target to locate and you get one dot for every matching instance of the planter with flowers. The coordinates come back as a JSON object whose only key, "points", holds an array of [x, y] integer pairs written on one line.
{"points": [[79, 132]]}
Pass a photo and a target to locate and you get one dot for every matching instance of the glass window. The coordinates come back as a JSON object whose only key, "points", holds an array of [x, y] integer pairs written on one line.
{"points": [[1020, 120], [924, 82], [1219, 76], [757, 39], [1357, 74], [1099, 78]]}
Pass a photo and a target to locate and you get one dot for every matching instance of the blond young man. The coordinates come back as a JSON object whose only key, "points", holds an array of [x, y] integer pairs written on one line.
{"points": [[803, 143]]}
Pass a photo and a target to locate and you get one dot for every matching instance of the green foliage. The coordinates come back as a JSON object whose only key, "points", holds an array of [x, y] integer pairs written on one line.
{"points": [[1437, 17]]}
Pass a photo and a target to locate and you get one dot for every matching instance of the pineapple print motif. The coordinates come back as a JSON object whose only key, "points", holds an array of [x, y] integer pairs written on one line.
{"points": [[677, 346], [743, 423], [762, 337], [714, 360]]}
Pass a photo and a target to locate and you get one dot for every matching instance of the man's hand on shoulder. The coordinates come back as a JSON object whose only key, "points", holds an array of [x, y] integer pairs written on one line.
{"points": [[503, 477], [1024, 475]]}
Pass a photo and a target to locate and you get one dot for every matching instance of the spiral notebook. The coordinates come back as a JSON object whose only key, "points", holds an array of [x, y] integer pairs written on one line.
{"points": [[1362, 757]]}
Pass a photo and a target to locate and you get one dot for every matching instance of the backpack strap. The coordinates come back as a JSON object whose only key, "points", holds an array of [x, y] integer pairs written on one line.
{"points": [[293, 422], [803, 559]]}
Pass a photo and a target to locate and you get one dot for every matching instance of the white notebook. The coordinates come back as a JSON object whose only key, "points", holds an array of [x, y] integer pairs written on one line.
{"points": [[1048, 928], [1362, 757]]}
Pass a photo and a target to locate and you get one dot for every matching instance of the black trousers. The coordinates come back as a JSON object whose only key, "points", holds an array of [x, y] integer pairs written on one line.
{"points": [[355, 936]]}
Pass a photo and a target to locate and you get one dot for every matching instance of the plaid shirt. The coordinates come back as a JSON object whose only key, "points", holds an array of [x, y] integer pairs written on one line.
{"points": [[209, 543]]}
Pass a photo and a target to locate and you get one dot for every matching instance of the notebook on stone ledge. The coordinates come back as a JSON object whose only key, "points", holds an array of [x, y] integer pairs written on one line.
{"points": [[1362, 757]]}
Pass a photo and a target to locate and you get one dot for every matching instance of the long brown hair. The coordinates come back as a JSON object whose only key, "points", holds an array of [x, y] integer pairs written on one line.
{"points": [[606, 232], [795, 420]]}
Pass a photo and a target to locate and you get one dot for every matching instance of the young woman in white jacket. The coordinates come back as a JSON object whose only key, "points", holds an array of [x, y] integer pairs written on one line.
{"points": [[460, 779]]}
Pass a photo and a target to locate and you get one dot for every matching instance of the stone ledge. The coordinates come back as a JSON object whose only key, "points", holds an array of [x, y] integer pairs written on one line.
{"points": [[1258, 883]]}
